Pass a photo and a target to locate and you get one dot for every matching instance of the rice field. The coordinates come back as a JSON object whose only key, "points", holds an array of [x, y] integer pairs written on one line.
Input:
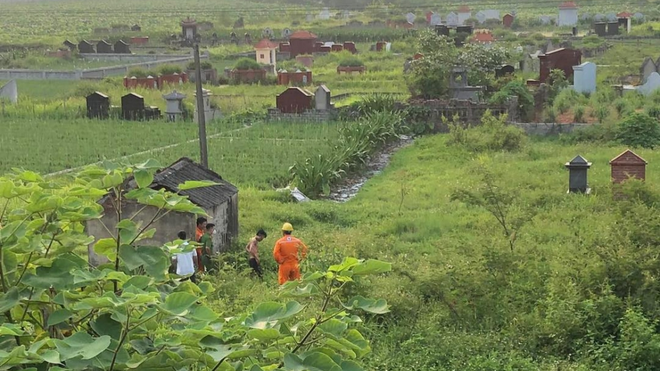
{"points": [[257, 155]]}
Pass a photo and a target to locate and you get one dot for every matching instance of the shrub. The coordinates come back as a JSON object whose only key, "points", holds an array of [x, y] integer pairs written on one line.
{"points": [[493, 135], [351, 62], [204, 65], [247, 64], [138, 72], [169, 69], [601, 112], [518, 89], [566, 99], [639, 130], [578, 114], [621, 106]]}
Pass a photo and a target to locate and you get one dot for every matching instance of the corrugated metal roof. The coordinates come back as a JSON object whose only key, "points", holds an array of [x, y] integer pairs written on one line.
{"points": [[184, 170]]}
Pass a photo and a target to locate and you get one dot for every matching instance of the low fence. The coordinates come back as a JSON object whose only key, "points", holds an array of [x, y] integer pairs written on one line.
{"points": [[93, 74], [131, 58], [438, 112]]}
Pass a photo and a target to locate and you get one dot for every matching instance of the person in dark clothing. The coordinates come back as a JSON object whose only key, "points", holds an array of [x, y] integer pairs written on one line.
{"points": [[253, 252]]}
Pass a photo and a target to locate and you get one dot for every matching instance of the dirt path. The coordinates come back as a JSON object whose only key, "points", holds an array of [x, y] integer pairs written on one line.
{"points": [[348, 188]]}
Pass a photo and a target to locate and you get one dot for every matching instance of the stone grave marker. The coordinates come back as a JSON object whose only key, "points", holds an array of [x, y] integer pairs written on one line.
{"points": [[577, 175], [9, 91], [410, 17], [492, 14], [611, 17], [638, 16], [652, 84], [481, 17], [286, 33], [174, 105], [584, 77], [599, 17], [322, 98], [435, 19], [452, 19], [98, 106]]}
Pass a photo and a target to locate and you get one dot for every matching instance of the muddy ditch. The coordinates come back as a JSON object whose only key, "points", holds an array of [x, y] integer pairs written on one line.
{"points": [[351, 185]]}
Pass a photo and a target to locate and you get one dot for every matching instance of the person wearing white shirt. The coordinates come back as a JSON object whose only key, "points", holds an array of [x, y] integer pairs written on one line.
{"points": [[186, 262]]}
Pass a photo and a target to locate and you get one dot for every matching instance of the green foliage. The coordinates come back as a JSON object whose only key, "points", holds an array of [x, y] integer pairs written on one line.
{"points": [[516, 89], [565, 100], [639, 130], [247, 64], [357, 140], [430, 74], [351, 61], [59, 311], [492, 135], [205, 65], [169, 69], [578, 113]]}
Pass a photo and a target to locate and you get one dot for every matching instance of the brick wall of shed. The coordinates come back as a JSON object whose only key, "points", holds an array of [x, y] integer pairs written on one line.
{"points": [[167, 227], [621, 173]]}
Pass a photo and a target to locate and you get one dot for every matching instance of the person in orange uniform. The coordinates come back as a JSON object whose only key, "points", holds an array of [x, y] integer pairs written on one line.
{"points": [[288, 253], [199, 233]]}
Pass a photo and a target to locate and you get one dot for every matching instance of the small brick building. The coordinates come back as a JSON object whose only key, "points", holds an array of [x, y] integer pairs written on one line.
{"points": [[302, 42], [294, 100], [294, 77], [507, 20], [628, 165], [561, 59]]}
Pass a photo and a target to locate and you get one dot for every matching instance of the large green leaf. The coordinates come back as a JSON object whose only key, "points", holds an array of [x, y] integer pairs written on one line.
{"points": [[368, 305], [59, 316], [371, 267], [105, 325], [81, 344], [11, 329], [267, 314], [203, 313], [154, 260], [264, 334], [9, 300], [193, 184], [150, 164], [143, 178], [58, 275], [178, 303], [313, 362], [333, 327]]}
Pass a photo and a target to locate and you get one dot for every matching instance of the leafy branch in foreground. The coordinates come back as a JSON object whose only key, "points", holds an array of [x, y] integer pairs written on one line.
{"points": [[57, 312]]}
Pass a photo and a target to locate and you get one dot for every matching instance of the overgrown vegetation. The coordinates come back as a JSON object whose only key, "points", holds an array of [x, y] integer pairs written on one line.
{"points": [[57, 311]]}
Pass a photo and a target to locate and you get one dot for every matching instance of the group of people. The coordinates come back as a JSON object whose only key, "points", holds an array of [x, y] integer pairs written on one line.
{"points": [[288, 252], [188, 263]]}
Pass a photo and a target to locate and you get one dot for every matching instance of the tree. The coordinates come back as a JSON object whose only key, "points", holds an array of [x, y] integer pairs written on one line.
{"points": [[57, 312], [639, 130], [430, 74]]}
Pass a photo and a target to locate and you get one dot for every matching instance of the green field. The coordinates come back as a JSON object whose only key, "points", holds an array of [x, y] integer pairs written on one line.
{"points": [[494, 265]]}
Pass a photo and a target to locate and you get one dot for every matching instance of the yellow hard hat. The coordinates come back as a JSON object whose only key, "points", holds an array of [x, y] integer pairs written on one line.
{"points": [[287, 227]]}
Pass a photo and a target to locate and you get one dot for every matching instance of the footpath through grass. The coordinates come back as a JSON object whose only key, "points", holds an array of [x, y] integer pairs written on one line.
{"points": [[461, 298]]}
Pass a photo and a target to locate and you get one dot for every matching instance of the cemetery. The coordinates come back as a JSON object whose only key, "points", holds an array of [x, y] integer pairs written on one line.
{"points": [[491, 167]]}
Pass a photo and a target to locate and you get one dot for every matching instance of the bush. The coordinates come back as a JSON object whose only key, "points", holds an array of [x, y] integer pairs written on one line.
{"points": [[247, 64], [351, 62], [493, 135], [168, 69], [578, 114], [639, 130], [138, 72], [518, 89], [601, 112], [205, 65]]}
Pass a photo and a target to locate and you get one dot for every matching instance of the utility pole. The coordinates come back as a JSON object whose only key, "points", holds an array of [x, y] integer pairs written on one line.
{"points": [[201, 119]]}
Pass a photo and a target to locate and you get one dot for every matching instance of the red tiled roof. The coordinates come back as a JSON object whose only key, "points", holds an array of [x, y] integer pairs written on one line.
{"points": [[624, 15], [302, 35], [568, 5], [463, 9], [266, 44], [483, 36]]}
